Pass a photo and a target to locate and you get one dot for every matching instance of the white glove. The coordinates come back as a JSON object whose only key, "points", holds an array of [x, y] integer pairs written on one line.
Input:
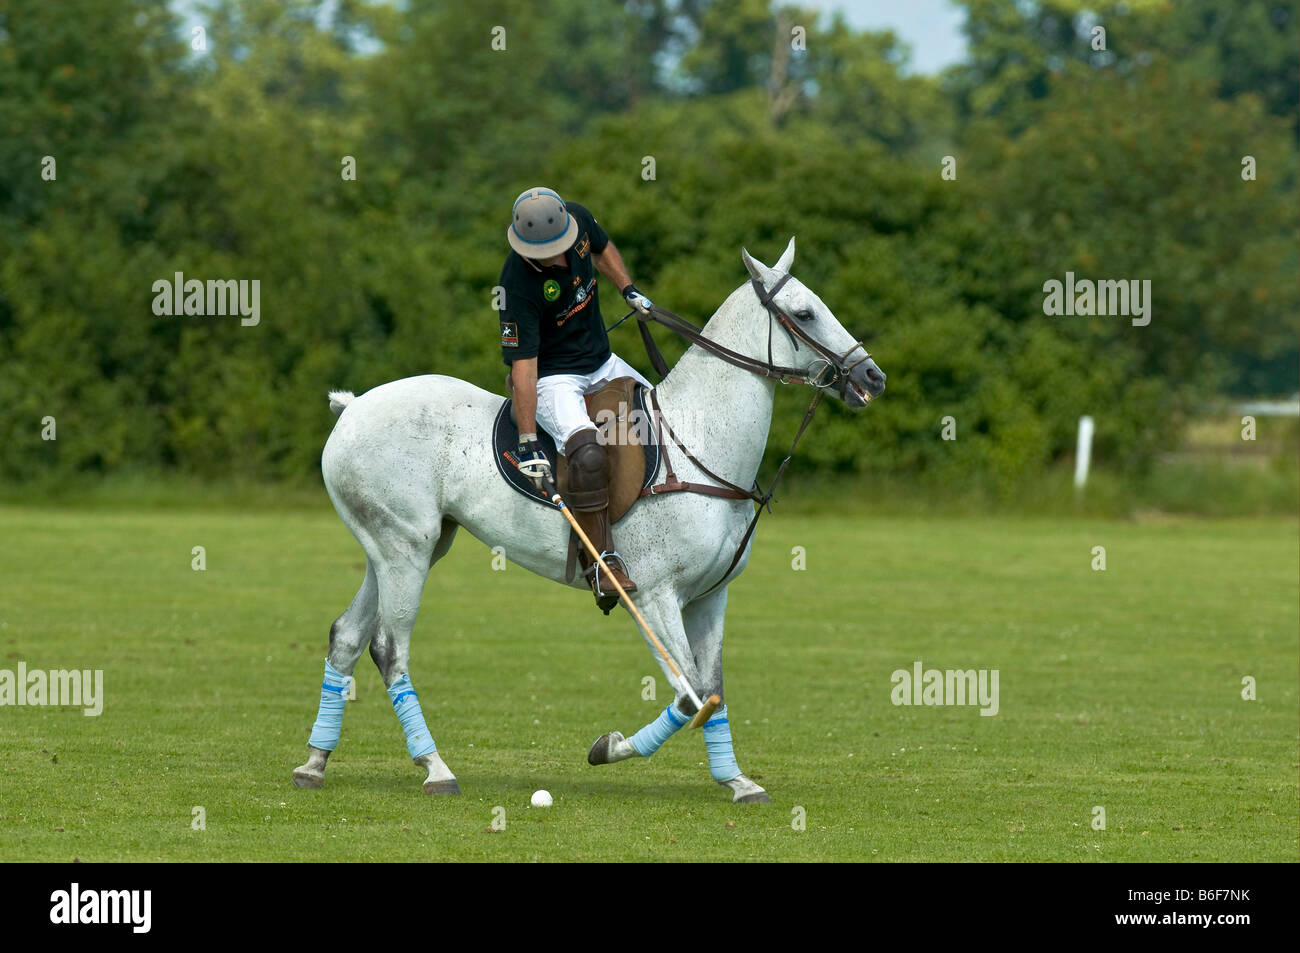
{"points": [[637, 300], [532, 462]]}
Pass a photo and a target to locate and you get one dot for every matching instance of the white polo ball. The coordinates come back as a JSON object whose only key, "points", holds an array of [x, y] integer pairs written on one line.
{"points": [[541, 799]]}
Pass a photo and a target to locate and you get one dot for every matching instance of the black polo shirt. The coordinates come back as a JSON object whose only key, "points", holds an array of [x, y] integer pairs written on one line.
{"points": [[553, 313]]}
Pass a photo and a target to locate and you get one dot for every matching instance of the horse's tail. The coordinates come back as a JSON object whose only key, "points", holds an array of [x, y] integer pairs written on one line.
{"points": [[339, 400]]}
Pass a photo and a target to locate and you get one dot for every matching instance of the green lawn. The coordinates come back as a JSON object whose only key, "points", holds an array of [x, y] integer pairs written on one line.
{"points": [[1119, 689]]}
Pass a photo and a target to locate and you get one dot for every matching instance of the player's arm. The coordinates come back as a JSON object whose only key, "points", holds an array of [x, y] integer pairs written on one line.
{"points": [[532, 462], [520, 343], [610, 264], [523, 378]]}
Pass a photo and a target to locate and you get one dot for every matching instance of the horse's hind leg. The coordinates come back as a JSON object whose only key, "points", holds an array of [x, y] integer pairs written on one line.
{"points": [[348, 637], [401, 580]]}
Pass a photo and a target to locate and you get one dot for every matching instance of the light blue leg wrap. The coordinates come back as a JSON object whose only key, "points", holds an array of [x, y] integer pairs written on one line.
{"points": [[407, 705], [651, 738], [329, 718], [717, 741]]}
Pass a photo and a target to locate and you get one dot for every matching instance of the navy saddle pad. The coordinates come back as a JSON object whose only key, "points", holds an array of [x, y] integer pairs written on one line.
{"points": [[505, 440]]}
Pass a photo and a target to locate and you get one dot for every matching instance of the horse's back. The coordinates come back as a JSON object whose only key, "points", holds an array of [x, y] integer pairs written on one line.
{"points": [[427, 391], [408, 419]]}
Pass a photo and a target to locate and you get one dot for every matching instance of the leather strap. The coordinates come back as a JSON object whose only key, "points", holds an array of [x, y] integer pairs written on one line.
{"points": [[651, 348], [728, 490], [695, 335], [571, 561], [766, 498]]}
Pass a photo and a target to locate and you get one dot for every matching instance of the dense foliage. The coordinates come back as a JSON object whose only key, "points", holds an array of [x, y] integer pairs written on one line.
{"points": [[225, 162]]}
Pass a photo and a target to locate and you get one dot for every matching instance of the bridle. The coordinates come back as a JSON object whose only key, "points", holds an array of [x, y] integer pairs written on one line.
{"points": [[830, 367], [831, 370], [832, 363]]}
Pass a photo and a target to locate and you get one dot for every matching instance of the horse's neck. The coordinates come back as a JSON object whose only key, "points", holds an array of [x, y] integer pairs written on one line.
{"points": [[722, 413]]}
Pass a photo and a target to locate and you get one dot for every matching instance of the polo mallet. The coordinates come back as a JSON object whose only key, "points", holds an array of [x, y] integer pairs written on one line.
{"points": [[704, 710]]}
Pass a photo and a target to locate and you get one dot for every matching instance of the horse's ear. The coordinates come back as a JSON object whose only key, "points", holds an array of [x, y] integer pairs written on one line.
{"points": [[760, 272], [787, 258]]}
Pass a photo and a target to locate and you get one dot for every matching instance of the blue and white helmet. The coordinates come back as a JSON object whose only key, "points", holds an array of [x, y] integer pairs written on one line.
{"points": [[542, 227]]}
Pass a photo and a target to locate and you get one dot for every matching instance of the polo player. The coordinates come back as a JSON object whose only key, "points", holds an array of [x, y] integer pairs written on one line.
{"points": [[553, 338]]}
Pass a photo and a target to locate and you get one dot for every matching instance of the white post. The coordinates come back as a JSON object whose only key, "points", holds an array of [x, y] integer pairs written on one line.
{"points": [[1083, 452]]}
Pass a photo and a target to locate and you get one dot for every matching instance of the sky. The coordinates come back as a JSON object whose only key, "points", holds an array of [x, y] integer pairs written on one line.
{"points": [[932, 28]]}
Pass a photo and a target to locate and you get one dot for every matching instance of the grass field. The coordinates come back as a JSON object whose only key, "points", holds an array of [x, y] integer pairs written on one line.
{"points": [[1119, 689]]}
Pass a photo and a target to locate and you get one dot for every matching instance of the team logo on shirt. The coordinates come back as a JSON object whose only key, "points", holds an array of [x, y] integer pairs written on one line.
{"points": [[509, 334], [551, 289], [584, 244], [581, 298]]}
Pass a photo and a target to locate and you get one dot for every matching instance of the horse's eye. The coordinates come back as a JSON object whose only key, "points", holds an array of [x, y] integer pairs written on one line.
{"points": [[804, 315]]}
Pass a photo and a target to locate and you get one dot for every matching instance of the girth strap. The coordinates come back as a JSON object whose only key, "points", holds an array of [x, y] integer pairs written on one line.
{"points": [[728, 489], [766, 499], [695, 335]]}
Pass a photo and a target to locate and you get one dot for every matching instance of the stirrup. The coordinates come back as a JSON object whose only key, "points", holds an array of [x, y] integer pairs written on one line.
{"points": [[612, 558], [605, 601]]}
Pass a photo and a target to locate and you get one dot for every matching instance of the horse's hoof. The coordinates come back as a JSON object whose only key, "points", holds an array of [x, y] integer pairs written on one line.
{"points": [[308, 779], [610, 747], [311, 774], [599, 753], [439, 780], [745, 791]]}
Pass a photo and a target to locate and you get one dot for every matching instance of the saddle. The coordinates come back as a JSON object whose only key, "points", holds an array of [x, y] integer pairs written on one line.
{"points": [[620, 413]]}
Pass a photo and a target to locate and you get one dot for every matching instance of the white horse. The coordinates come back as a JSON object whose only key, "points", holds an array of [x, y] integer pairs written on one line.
{"points": [[411, 461]]}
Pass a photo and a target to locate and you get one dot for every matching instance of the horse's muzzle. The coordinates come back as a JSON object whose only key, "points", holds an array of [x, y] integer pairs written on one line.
{"points": [[864, 384]]}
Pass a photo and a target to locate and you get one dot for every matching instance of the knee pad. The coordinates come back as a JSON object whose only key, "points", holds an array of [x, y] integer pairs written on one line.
{"points": [[588, 470]]}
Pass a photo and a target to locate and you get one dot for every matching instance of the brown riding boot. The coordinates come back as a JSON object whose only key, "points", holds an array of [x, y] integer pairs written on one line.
{"points": [[588, 497], [595, 523]]}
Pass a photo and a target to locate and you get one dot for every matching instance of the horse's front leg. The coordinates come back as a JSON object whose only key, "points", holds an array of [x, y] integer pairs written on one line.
{"points": [[703, 620], [661, 611]]}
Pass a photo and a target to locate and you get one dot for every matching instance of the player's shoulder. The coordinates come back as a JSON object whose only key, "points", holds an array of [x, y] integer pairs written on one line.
{"points": [[581, 213], [514, 270], [522, 289]]}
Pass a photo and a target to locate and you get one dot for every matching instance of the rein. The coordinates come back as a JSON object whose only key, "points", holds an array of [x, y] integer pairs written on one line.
{"points": [[728, 489], [834, 364]]}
